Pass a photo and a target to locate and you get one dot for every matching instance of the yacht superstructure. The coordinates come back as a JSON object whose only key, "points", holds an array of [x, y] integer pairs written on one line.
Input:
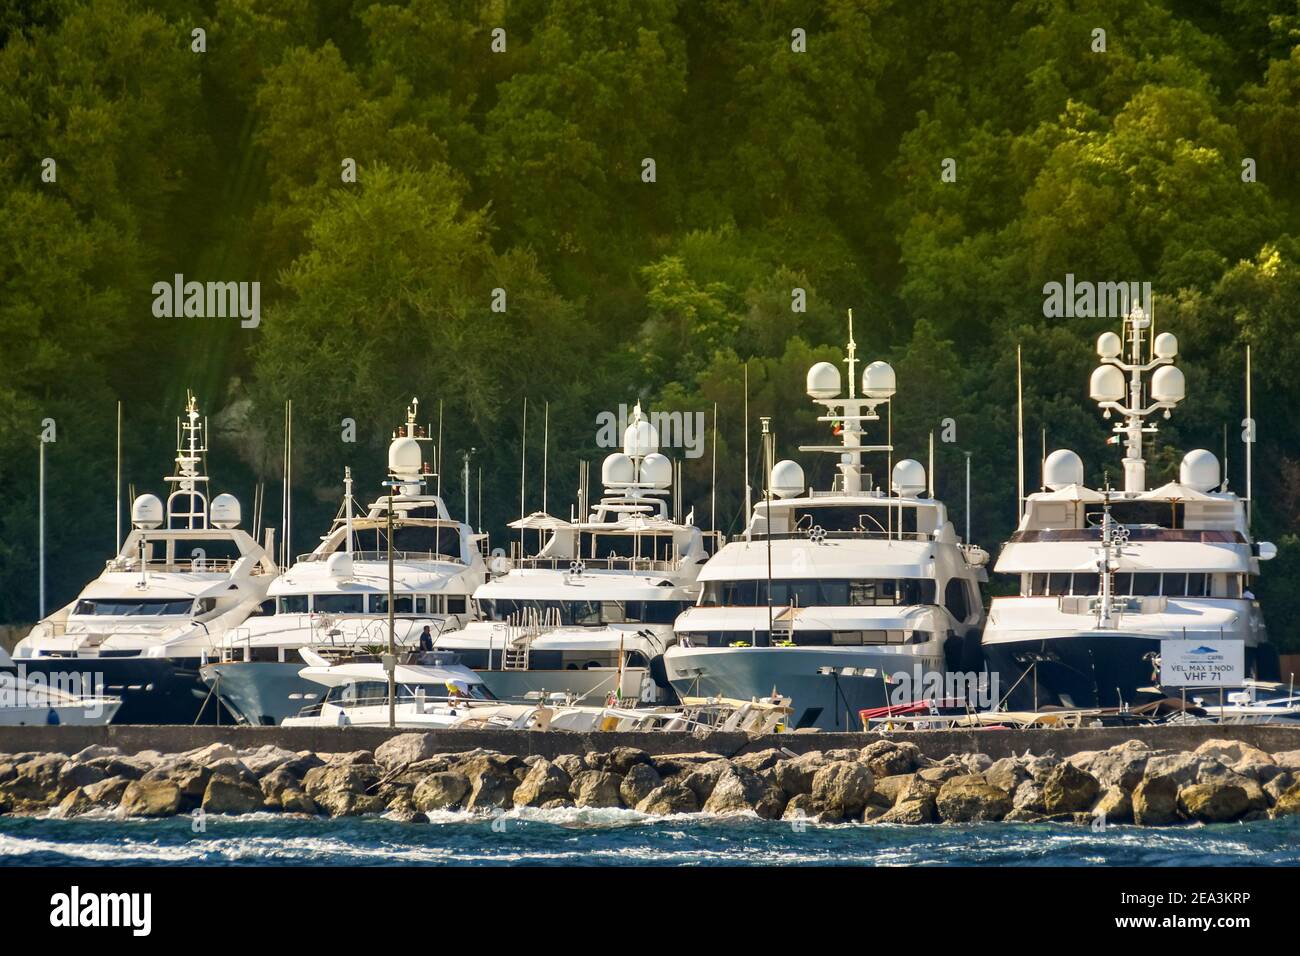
{"points": [[1105, 575], [335, 600], [186, 574], [830, 594], [590, 612]]}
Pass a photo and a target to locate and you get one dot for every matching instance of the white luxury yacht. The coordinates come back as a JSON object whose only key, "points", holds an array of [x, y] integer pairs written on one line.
{"points": [[334, 600], [1106, 575], [591, 613], [842, 599], [185, 575]]}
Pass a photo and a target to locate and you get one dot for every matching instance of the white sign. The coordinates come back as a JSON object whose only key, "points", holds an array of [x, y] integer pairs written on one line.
{"points": [[1202, 663]]}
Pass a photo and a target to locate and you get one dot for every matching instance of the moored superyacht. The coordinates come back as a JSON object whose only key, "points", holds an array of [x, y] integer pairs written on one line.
{"points": [[335, 600], [829, 595], [1106, 575], [589, 613], [185, 575]]}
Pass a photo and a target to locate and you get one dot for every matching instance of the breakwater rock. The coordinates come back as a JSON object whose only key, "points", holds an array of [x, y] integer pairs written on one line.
{"points": [[405, 778]]}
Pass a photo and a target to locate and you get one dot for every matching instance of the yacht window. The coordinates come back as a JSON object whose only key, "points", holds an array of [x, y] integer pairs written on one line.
{"points": [[1174, 585], [421, 604], [954, 597], [134, 607], [265, 608], [293, 604], [809, 592], [1198, 585], [340, 603], [1146, 585], [205, 605], [204, 550], [1122, 584], [1037, 585], [1058, 583], [402, 603], [661, 612], [1085, 584]]}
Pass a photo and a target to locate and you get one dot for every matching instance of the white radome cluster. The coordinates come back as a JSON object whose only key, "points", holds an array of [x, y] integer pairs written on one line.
{"points": [[878, 381]]}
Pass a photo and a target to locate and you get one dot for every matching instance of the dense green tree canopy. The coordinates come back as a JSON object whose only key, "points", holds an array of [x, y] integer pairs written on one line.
{"points": [[500, 150]]}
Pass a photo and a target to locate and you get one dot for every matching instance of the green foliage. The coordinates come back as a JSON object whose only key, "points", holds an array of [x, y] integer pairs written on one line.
{"points": [[521, 171]]}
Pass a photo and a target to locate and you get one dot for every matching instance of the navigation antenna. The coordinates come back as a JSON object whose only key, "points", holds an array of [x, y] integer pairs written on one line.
{"points": [[824, 385], [1108, 388]]}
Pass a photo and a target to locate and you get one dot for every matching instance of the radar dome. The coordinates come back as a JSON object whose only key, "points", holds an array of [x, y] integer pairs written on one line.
{"points": [[339, 565], [656, 470], [404, 457], [878, 380], [824, 381], [224, 511], [1109, 345], [1106, 384], [787, 478], [617, 469], [640, 438], [1199, 470], [1168, 384], [1062, 468], [147, 512], [908, 478], [1166, 345]]}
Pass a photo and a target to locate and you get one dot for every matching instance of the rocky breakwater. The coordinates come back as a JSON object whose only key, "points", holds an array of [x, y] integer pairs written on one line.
{"points": [[886, 782]]}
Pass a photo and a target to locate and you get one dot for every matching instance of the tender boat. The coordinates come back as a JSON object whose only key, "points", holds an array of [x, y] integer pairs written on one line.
{"points": [[28, 701]]}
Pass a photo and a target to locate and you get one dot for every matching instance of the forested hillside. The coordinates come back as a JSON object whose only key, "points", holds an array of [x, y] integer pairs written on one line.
{"points": [[795, 145]]}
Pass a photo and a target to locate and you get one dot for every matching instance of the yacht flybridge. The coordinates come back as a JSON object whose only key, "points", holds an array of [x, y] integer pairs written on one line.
{"points": [[830, 594], [335, 600], [1105, 575], [590, 612], [185, 575]]}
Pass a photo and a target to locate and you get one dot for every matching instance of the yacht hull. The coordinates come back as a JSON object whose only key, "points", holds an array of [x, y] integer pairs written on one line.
{"points": [[262, 693], [824, 701], [153, 690], [1074, 670]]}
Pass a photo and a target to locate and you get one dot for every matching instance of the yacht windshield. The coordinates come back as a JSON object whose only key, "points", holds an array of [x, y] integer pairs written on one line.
{"points": [[134, 607]]}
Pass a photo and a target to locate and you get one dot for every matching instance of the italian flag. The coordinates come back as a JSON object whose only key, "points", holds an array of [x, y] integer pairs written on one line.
{"points": [[1112, 440]]}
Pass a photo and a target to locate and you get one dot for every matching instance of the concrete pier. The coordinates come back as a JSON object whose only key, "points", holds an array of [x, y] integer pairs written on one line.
{"points": [[932, 743]]}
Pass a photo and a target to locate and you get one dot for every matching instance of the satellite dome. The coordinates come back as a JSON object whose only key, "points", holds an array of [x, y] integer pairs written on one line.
{"points": [[147, 512], [1168, 384], [617, 469], [224, 512], [1166, 345], [640, 438], [405, 457], [824, 381], [1062, 467], [339, 565], [878, 380], [1199, 470], [787, 477], [656, 470], [1106, 384], [1109, 345], [908, 478]]}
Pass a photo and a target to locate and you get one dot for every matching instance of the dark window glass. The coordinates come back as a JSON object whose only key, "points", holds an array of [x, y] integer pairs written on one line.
{"points": [[402, 603], [1086, 584], [293, 604], [455, 604], [1146, 585], [1175, 585], [340, 603], [954, 596]]}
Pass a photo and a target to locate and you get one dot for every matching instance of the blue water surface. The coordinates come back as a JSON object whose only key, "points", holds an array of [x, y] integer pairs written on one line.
{"points": [[624, 838]]}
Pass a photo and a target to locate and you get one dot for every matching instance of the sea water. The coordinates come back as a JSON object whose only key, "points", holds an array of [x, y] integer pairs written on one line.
{"points": [[584, 837]]}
